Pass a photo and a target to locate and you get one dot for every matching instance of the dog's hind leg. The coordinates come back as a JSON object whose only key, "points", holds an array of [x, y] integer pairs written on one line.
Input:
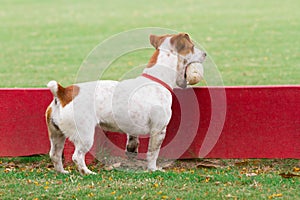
{"points": [[132, 146], [82, 146], [57, 141]]}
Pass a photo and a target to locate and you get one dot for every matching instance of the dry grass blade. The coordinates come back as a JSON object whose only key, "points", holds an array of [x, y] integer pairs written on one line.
{"points": [[208, 164], [289, 175], [242, 163]]}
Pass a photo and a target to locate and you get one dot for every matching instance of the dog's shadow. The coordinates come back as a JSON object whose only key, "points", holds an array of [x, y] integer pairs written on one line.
{"points": [[131, 164]]}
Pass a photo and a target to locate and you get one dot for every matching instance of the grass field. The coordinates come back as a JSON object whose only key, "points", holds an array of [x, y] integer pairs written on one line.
{"points": [[252, 42], [34, 178]]}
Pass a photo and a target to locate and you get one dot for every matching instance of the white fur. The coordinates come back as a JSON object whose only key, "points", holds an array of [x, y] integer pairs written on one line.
{"points": [[137, 106]]}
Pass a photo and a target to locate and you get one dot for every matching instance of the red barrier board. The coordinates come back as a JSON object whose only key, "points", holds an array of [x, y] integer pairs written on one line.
{"points": [[22, 122], [213, 122]]}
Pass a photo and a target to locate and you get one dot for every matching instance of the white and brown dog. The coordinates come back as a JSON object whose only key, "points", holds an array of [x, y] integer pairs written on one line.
{"points": [[137, 106]]}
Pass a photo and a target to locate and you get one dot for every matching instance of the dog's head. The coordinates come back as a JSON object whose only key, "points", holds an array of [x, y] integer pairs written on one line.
{"points": [[182, 46]]}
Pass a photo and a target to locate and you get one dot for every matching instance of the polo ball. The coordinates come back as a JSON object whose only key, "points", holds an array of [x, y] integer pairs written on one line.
{"points": [[194, 73]]}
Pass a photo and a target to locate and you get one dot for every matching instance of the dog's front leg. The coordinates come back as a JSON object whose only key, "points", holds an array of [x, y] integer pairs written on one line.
{"points": [[78, 159], [82, 146], [155, 142]]}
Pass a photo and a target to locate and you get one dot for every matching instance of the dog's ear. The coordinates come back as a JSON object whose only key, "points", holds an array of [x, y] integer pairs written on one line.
{"points": [[182, 42], [187, 37], [156, 41]]}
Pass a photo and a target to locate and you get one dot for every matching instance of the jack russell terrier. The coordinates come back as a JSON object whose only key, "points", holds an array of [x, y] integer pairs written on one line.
{"points": [[136, 106]]}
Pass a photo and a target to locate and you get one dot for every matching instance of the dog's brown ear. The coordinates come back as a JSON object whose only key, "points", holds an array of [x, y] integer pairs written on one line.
{"points": [[187, 37], [154, 41]]}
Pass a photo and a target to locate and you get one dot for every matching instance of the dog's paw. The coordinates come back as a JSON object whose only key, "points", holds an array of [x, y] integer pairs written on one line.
{"points": [[86, 172], [93, 173], [153, 169], [90, 173], [159, 169], [64, 172]]}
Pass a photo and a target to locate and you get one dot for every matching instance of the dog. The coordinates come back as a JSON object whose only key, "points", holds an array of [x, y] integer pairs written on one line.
{"points": [[136, 106]]}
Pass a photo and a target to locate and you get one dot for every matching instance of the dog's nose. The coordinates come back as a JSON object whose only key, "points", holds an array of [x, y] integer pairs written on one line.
{"points": [[204, 54]]}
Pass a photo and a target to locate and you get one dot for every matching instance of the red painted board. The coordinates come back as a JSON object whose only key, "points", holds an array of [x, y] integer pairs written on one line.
{"points": [[261, 122], [22, 123], [230, 122], [214, 122]]}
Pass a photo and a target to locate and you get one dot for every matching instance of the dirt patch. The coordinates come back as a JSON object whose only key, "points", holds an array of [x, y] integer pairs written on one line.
{"points": [[134, 164]]}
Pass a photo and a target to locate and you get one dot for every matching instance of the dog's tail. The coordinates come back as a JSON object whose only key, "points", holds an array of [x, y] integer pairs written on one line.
{"points": [[53, 86], [63, 95], [53, 111]]}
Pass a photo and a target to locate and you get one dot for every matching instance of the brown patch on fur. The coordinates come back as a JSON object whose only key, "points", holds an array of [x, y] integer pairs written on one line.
{"points": [[184, 61], [153, 59], [48, 119], [66, 95], [48, 114], [182, 43]]}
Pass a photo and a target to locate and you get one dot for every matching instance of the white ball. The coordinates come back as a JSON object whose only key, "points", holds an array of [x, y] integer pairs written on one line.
{"points": [[194, 73]]}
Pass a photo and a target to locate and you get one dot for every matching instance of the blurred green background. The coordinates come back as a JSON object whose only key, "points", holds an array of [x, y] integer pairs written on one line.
{"points": [[251, 42]]}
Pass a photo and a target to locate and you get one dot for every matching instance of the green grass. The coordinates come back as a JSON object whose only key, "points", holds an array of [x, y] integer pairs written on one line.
{"points": [[32, 178], [252, 42]]}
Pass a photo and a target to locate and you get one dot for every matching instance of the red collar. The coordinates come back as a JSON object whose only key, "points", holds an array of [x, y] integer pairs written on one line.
{"points": [[158, 81]]}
